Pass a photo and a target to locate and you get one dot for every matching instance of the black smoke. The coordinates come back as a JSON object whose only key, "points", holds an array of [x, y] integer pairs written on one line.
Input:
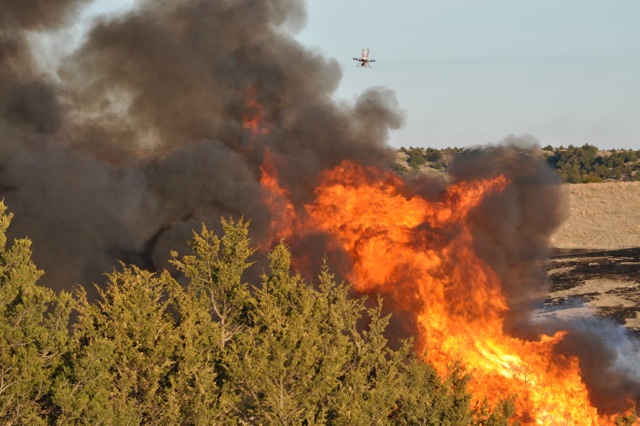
{"points": [[139, 138]]}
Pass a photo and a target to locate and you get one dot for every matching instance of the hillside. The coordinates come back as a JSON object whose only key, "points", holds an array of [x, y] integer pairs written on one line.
{"points": [[602, 216], [585, 164], [595, 266]]}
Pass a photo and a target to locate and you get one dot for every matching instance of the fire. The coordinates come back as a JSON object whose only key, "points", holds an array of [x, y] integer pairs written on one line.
{"points": [[253, 117], [420, 254], [274, 196], [277, 201]]}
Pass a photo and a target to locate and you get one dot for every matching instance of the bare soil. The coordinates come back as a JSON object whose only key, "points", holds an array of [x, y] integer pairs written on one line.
{"points": [[595, 265]]}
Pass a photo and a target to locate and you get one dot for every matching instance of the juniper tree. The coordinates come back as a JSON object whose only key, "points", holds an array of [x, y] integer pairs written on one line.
{"points": [[212, 311], [287, 364], [33, 334], [214, 275], [213, 349], [122, 356]]}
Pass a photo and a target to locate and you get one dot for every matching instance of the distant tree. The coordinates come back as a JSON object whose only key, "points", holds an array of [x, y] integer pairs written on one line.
{"points": [[614, 160], [592, 177], [630, 156], [399, 168], [589, 150], [602, 171], [573, 175], [433, 154], [584, 164], [617, 172], [416, 158]]}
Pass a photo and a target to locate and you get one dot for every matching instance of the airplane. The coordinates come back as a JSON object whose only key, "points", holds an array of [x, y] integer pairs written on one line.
{"points": [[363, 60]]}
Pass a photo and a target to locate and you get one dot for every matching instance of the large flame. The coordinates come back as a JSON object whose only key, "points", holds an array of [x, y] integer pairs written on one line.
{"points": [[420, 254]]}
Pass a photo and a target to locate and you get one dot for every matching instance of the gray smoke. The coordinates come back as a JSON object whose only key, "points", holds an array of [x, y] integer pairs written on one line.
{"points": [[511, 233], [140, 137], [609, 359], [512, 229]]}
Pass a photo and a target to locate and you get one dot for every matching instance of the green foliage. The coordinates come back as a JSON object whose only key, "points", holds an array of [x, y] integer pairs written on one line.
{"points": [[123, 350], [208, 348], [434, 158], [286, 365], [215, 276], [433, 154], [592, 177], [586, 165], [33, 334], [416, 158], [399, 168]]}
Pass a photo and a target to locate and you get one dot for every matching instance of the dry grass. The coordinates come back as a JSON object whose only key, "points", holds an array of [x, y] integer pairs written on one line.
{"points": [[602, 216]]}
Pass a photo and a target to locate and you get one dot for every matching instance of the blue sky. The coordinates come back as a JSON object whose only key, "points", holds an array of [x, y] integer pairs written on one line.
{"points": [[471, 72]]}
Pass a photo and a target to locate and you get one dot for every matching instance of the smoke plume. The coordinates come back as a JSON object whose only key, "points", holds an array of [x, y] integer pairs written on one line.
{"points": [[512, 229], [140, 138]]}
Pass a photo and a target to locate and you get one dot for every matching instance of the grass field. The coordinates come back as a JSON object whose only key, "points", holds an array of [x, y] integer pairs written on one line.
{"points": [[602, 216]]}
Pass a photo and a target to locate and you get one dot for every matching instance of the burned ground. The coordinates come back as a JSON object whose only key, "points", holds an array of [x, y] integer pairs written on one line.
{"points": [[595, 282]]}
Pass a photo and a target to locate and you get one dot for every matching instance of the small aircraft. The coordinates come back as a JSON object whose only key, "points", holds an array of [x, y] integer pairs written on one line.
{"points": [[363, 60]]}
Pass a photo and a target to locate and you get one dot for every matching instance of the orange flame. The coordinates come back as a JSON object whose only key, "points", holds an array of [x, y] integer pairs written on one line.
{"points": [[253, 117], [420, 253], [275, 198], [277, 201]]}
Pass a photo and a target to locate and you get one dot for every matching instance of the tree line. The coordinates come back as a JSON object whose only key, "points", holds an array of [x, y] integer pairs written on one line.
{"points": [[585, 164], [202, 346]]}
